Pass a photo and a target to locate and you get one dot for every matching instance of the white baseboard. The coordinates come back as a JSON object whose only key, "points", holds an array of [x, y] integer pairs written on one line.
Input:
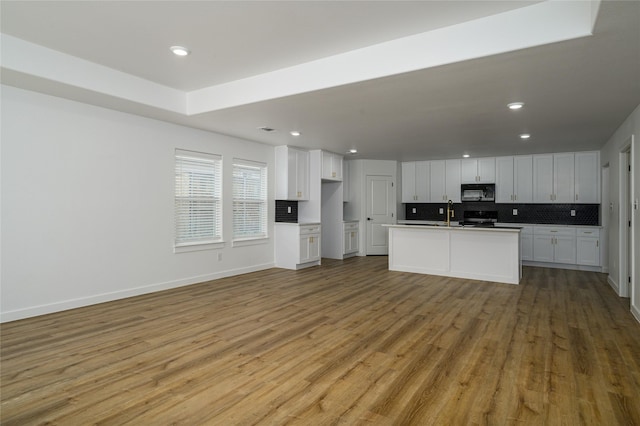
{"points": [[635, 312], [122, 294], [614, 285], [562, 266]]}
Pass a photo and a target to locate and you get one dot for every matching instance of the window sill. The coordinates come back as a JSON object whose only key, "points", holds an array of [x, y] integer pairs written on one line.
{"points": [[249, 242], [198, 247]]}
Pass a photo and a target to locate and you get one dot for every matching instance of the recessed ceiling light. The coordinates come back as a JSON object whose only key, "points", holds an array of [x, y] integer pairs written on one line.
{"points": [[295, 133], [525, 136], [465, 155], [515, 105], [179, 50], [353, 151]]}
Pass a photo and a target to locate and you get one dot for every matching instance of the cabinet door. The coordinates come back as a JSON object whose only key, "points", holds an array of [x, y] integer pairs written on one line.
{"points": [[305, 255], [587, 182], [422, 181], [437, 187], [314, 247], [543, 178], [504, 180], [301, 176], [327, 165], [563, 178], [588, 251], [565, 250], [452, 181], [523, 179], [526, 247], [487, 170], [355, 238], [409, 182], [543, 248], [469, 171], [336, 166]]}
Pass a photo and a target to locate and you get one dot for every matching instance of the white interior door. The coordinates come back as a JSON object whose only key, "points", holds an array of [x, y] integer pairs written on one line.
{"points": [[380, 201]]}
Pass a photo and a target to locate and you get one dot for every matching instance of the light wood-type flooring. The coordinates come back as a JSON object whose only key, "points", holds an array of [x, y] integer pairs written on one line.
{"points": [[345, 343]]}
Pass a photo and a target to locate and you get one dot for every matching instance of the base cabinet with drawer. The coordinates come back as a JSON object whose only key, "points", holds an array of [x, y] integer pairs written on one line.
{"points": [[588, 246], [297, 245], [351, 237]]}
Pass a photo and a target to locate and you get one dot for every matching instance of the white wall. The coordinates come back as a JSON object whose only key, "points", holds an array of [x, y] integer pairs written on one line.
{"points": [[610, 154], [87, 205]]}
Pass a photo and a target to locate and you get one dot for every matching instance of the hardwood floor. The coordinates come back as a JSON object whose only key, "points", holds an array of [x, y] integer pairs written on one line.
{"points": [[345, 343]]}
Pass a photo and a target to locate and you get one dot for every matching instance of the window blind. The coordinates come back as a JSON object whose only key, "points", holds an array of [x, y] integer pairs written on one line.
{"points": [[249, 200], [198, 201]]}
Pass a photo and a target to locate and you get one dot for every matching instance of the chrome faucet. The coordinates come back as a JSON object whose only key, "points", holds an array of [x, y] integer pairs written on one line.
{"points": [[450, 212]]}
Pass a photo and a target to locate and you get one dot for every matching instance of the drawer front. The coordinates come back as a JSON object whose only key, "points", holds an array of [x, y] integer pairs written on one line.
{"points": [[351, 226], [555, 231], [588, 232], [309, 229]]}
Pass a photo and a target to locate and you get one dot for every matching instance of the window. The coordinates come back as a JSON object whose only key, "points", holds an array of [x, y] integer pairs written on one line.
{"points": [[198, 201], [249, 200]]}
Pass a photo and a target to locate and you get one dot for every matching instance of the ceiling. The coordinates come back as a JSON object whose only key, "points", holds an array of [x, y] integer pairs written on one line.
{"points": [[394, 79]]}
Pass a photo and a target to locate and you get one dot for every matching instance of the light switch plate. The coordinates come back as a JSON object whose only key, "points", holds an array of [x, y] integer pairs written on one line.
{"points": [[414, 210], [441, 210], [515, 212], [289, 209], [573, 212]]}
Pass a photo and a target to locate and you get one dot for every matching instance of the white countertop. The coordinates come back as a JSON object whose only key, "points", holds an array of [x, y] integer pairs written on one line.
{"points": [[297, 224], [454, 228]]}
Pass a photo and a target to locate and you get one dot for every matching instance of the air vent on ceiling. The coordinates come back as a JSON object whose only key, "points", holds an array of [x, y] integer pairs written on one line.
{"points": [[266, 129]]}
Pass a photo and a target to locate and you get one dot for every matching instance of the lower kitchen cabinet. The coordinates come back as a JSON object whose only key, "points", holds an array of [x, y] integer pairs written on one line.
{"points": [[588, 246], [351, 238], [554, 244], [297, 245], [526, 243]]}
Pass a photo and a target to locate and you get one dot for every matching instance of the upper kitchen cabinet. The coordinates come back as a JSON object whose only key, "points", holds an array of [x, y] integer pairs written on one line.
{"points": [[415, 182], [553, 178], [292, 173], [445, 181], [514, 179], [331, 166], [481, 170], [587, 177]]}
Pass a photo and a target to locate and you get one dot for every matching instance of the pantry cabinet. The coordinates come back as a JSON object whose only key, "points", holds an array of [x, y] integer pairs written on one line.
{"points": [[292, 174]]}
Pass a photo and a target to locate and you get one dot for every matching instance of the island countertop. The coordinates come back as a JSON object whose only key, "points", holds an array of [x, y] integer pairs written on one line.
{"points": [[457, 228]]}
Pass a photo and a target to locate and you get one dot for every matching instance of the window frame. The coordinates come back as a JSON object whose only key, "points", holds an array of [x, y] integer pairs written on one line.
{"points": [[263, 201], [198, 160]]}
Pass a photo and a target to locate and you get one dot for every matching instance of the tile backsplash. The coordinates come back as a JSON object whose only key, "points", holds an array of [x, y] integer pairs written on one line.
{"points": [[551, 214], [286, 211]]}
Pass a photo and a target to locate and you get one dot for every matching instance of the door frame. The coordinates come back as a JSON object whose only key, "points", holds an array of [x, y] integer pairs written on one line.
{"points": [[626, 258], [365, 233]]}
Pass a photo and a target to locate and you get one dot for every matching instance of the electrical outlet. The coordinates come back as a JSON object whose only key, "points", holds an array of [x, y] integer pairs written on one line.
{"points": [[515, 212], [573, 212], [289, 209], [441, 210], [414, 210]]}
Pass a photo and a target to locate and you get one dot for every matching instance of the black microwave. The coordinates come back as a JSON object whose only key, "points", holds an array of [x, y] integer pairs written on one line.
{"points": [[478, 192]]}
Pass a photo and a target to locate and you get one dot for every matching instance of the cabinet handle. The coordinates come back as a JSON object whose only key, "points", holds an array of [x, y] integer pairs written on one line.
{"points": [[515, 197], [597, 243], [588, 232], [576, 197], [333, 174]]}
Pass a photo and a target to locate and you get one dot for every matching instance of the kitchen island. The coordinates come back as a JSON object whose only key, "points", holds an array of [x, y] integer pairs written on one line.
{"points": [[488, 254]]}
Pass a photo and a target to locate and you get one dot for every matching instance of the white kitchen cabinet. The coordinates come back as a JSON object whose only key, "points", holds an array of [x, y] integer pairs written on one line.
{"points": [[445, 181], [555, 244], [346, 192], [553, 178], [563, 178], [351, 238], [587, 177], [526, 243], [297, 246], [588, 246], [514, 179], [331, 166], [292, 173], [415, 182], [481, 170]]}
